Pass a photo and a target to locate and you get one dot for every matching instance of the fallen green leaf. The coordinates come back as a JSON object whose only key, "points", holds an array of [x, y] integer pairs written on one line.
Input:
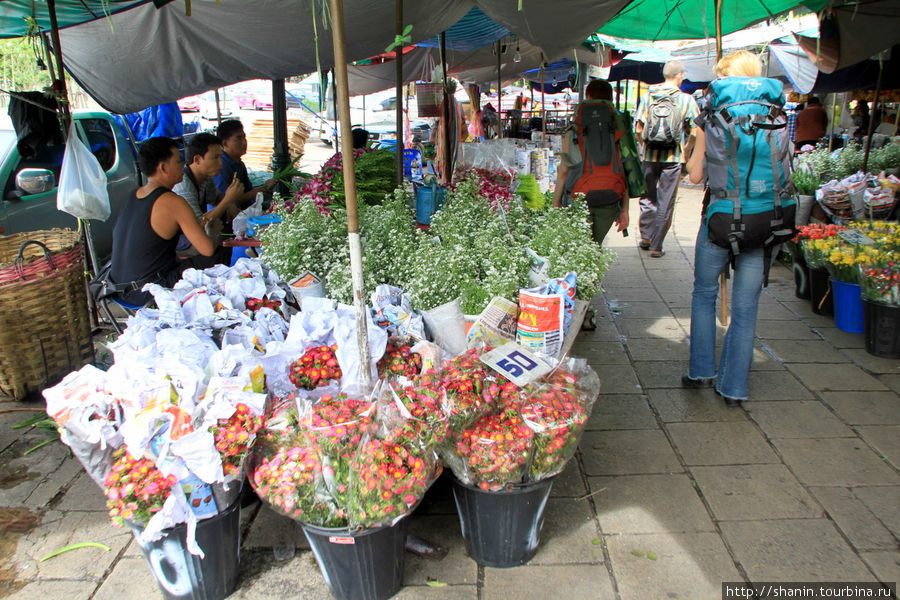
{"points": [[435, 583], [75, 547], [652, 555], [33, 448], [596, 541], [637, 553]]}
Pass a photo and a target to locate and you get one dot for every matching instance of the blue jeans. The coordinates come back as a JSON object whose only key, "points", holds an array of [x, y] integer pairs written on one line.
{"points": [[737, 349]]}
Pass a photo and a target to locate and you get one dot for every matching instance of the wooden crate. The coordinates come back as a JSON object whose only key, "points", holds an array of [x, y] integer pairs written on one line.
{"points": [[261, 142]]}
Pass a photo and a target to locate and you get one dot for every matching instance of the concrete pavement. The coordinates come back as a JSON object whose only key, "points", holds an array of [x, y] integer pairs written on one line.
{"points": [[671, 494]]}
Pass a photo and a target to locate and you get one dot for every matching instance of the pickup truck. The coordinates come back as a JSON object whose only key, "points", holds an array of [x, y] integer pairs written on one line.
{"points": [[29, 186]]}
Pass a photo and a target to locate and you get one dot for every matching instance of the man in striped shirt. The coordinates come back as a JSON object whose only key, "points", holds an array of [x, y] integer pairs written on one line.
{"points": [[663, 160]]}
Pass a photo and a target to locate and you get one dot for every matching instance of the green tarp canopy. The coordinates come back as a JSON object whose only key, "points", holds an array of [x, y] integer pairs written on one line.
{"points": [[693, 19], [14, 14]]}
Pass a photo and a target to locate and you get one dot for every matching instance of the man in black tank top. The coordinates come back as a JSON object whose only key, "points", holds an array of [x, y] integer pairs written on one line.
{"points": [[146, 232]]}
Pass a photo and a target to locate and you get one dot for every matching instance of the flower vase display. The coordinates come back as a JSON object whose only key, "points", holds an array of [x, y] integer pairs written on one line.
{"points": [[881, 326]]}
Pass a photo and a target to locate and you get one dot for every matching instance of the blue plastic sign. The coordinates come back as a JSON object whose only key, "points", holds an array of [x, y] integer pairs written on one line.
{"points": [[516, 363]]}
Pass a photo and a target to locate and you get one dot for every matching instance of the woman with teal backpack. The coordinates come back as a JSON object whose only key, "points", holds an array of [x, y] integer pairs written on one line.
{"points": [[743, 154]]}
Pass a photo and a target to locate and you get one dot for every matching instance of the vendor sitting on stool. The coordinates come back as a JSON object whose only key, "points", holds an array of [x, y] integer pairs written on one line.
{"points": [[234, 144], [147, 230]]}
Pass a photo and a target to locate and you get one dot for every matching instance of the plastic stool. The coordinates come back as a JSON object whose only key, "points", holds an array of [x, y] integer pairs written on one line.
{"points": [[129, 309]]}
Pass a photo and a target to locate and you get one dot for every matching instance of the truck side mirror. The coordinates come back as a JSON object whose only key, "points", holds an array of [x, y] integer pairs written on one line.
{"points": [[35, 181]]}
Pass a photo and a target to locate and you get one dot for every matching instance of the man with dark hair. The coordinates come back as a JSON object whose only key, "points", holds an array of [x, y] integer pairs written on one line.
{"points": [[360, 138], [812, 122], [204, 154], [664, 117], [234, 146], [146, 232]]}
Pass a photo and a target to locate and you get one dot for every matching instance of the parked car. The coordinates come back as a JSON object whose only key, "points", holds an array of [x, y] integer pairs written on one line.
{"points": [[227, 105], [250, 99], [189, 104], [30, 185]]}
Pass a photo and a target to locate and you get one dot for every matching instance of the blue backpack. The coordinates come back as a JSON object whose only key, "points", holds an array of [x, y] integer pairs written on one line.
{"points": [[748, 164]]}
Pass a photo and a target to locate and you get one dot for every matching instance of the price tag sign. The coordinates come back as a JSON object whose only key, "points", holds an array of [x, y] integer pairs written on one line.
{"points": [[516, 363], [856, 237]]}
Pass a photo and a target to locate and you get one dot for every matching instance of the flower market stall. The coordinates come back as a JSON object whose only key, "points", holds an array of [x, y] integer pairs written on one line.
{"points": [[236, 372]]}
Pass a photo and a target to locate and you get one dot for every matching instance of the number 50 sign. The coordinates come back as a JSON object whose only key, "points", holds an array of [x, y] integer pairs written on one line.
{"points": [[516, 363]]}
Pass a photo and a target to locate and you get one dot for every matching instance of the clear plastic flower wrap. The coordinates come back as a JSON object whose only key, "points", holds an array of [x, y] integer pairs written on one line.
{"points": [[492, 452], [411, 415], [468, 387], [387, 480], [399, 360], [288, 470]]}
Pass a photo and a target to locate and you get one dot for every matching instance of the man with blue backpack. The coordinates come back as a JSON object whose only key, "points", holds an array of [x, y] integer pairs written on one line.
{"points": [[664, 119], [743, 152]]}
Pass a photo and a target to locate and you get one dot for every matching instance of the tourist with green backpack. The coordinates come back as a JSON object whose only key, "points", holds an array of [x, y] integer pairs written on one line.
{"points": [[663, 121], [742, 153]]}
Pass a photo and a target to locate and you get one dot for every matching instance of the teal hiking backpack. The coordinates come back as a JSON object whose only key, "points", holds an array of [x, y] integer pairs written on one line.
{"points": [[748, 163]]}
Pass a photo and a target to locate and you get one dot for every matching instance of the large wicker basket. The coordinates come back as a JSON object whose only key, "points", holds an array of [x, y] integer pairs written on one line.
{"points": [[45, 330]]}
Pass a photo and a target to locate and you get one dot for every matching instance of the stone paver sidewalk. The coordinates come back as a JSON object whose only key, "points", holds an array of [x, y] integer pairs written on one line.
{"points": [[801, 484]]}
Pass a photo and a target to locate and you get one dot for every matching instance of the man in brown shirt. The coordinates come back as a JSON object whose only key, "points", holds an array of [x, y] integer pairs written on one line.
{"points": [[812, 122]]}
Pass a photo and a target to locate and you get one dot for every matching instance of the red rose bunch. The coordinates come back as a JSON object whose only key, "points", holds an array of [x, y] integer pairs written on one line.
{"points": [[292, 480], [817, 231], [496, 449], [254, 304], [469, 389], [135, 489], [234, 435], [388, 480], [315, 368], [399, 359], [556, 414]]}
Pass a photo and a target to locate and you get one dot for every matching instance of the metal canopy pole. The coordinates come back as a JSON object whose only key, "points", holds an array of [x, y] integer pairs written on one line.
{"points": [[448, 151], [398, 58], [281, 156], [872, 117], [499, 94], [543, 106], [356, 270]]}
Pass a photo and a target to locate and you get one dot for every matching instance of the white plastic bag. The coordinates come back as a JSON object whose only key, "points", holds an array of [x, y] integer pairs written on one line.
{"points": [[82, 182]]}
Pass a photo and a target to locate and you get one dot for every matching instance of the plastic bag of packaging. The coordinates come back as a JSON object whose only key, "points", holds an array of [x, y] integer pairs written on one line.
{"points": [[411, 415], [492, 452], [88, 418], [393, 311], [446, 327], [430, 353], [82, 182], [345, 334], [544, 314], [387, 480]]}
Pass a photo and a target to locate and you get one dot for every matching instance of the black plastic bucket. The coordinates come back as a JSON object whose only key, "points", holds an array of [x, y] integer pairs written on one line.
{"points": [[182, 576], [820, 296], [882, 329], [360, 565], [503, 528]]}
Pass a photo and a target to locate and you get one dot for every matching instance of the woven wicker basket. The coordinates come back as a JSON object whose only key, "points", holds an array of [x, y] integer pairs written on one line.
{"points": [[45, 330]]}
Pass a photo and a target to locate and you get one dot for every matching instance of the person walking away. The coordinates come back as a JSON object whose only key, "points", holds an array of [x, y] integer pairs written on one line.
{"points": [[812, 123], [664, 117], [743, 130], [604, 189], [146, 232]]}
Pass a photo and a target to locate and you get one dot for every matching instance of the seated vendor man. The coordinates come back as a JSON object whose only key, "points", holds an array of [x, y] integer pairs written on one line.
{"points": [[234, 145], [199, 191], [147, 230]]}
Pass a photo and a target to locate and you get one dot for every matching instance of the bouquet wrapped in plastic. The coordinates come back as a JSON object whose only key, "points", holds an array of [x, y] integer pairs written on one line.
{"points": [[411, 415], [534, 433], [468, 388]]}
